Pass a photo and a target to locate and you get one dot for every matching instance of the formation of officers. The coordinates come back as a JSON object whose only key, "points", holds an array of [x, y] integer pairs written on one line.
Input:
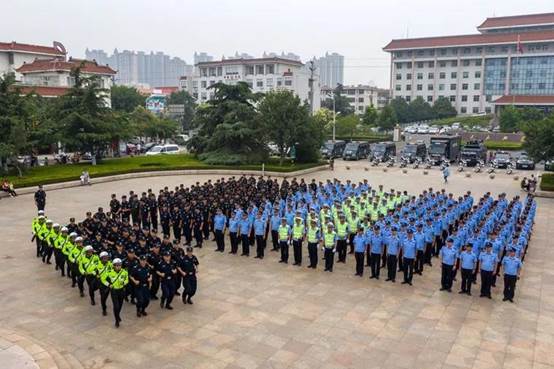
{"points": [[120, 254]]}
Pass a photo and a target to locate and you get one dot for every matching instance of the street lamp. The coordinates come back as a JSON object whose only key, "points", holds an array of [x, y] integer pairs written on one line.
{"points": [[331, 94]]}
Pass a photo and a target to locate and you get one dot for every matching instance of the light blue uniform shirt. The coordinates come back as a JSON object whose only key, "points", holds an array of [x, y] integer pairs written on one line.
{"points": [[219, 222], [488, 261], [448, 255], [511, 265], [359, 243], [468, 260], [393, 244], [409, 248], [259, 227]]}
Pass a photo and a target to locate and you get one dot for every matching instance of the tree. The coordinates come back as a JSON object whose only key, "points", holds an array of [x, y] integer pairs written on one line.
{"points": [[346, 126], [369, 118], [442, 108], [126, 99], [539, 138], [189, 107], [387, 119], [341, 103], [229, 129], [401, 110], [420, 109], [283, 117], [509, 119], [529, 114]]}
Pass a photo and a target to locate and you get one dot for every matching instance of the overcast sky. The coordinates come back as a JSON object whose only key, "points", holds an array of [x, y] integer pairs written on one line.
{"points": [[357, 29]]}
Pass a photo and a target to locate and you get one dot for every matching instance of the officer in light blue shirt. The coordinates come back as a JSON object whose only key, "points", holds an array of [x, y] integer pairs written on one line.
{"points": [[419, 237], [233, 230], [275, 221], [375, 241], [448, 257], [511, 265], [393, 247], [360, 245], [245, 226], [408, 256], [467, 261], [260, 226], [488, 261], [220, 222]]}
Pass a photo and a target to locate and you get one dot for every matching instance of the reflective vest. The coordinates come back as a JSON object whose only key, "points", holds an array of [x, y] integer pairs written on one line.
{"points": [[76, 254], [353, 223], [283, 233], [60, 241], [67, 247], [312, 234], [297, 231], [329, 239], [342, 229], [87, 264], [103, 268], [117, 280]]}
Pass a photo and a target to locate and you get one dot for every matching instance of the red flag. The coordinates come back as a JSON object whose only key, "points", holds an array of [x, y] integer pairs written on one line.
{"points": [[519, 46]]}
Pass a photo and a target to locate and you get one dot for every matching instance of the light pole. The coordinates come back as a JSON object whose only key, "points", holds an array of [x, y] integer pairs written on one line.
{"points": [[331, 94]]}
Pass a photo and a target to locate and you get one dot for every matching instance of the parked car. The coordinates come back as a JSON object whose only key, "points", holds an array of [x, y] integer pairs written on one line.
{"points": [[147, 146], [523, 161], [549, 165], [423, 129], [502, 159], [356, 151], [332, 150], [433, 130], [163, 150], [411, 129]]}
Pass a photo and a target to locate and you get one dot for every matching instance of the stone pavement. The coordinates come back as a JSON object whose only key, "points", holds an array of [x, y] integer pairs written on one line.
{"points": [[252, 313]]}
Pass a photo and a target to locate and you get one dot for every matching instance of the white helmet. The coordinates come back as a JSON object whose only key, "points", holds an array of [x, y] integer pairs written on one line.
{"points": [[73, 234], [64, 229], [89, 248], [78, 239], [116, 261], [103, 253], [56, 225]]}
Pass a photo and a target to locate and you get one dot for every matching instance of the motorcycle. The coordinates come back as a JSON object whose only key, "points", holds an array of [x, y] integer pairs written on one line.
{"points": [[390, 163], [461, 165], [375, 162], [428, 164], [416, 164], [403, 162], [479, 166], [510, 168], [492, 168]]}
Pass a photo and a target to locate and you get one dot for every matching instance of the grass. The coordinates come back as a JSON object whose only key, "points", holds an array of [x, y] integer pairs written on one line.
{"points": [[109, 167], [547, 182], [504, 145], [470, 121], [366, 138]]}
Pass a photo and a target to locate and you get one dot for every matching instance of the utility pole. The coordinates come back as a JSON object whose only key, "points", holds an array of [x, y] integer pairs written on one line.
{"points": [[311, 86]]}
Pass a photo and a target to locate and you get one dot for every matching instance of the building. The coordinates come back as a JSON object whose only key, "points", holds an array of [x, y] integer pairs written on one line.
{"points": [[361, 96], [331, 69], [51, 77], [261, 74], [510, 59], [14, 54], [202, 57], [137, 68]]}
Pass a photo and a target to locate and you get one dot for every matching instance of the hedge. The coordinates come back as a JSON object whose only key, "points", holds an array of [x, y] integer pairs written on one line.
{"points": [[372, 138], [504, 145], [547, 182]]}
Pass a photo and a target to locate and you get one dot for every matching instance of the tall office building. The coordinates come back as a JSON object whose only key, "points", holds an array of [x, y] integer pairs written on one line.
{"points": [[202, 57], [509, 62], [331, 69], [141, 68]]}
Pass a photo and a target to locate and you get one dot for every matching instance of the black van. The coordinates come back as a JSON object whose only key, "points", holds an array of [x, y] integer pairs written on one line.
{"points": [[382, 151], [356, 151], [331, 150], [413, 151]]}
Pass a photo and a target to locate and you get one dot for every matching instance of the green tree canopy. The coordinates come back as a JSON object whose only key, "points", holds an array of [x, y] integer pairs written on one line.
{"points": [[509, 119], [401, 110], [126, 99], [369, 118], [387, 119], [420, 109], [539, 138], [189, 107], [346, 125], [341, 102], [442, 108]]}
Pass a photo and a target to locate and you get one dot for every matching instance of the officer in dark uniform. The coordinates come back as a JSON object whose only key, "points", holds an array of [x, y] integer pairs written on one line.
{"points": [[153, 206], [166, 270], [186, 220], [125, 209], [197, 225], [177, 254], [115, 207], [165, 220], [130, 263], [153, 259], [144, 206], [134, 206], [40, 198], [188, 268], [176, 223], [142, 279]]}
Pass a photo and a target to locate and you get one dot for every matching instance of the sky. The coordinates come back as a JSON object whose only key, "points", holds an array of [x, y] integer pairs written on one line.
{"points": [[357, 29]]}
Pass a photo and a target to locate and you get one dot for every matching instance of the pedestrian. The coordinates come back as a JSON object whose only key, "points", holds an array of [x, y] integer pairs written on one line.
{"points": [[40, 198], [298, 235], [166, 270], [284, 240], [87, 269], [220, 222], [142, 279], [260, 227], [375, 242], [393, 248], [360, 245], [468, 261], [448, 257], [103, 267], [189, 268], [245, 227], [313, 236], [446, 173], [116, 280], [408, 256], [329, 245], [511, 265], [488, 261]]}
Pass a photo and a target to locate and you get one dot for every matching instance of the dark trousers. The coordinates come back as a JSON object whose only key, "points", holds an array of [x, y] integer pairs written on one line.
{"points": [[359, 256], [234, 242], [400, 260], [177, 232], [59, 260], [168, 291], [92, 286], [166, 229], [419, 261], [275, 240], [189, 285], [428, 254], [509, 286], [284, 246], [375, 264], [118, 296], [437, 245], [408, 268], [474, 274], [329, 259], [351, 242], [177, 280], [38, 242], [486, 282], [143, 297], [135, 217], [341, 250], [154, 220], [391, 267], [187, 233], [467, 278], [81, 283], [446, 276], [198, 237], [245, 244], [297, 251], [219, 240], [260, 246], [74, 273], [312, 252], [104, 293], [47, 252], [155, 285], [41, 205]]}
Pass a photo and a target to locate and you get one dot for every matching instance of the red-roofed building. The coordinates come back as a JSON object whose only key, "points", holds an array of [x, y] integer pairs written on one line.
{"points": [[510, 56], [14, 54]]}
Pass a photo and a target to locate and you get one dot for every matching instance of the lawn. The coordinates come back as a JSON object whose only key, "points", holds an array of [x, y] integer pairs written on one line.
{"points": [[470, 121], [547, 182], [108, 167], [504, 145]]}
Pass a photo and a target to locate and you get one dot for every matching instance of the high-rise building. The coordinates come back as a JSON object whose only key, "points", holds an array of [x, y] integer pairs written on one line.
{"points": [[509, 62], [140, 68], [331, 69], [202, 57]]}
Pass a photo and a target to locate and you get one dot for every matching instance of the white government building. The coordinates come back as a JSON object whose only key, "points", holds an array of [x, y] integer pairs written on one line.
{"points": [[261, 74]]}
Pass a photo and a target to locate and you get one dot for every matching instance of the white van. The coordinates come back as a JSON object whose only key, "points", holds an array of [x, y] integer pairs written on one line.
{"points": [[164, 149]]}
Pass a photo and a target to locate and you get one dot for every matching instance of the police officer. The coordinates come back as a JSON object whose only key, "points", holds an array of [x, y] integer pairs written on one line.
{"points": [[40, 198], [419, 237], [342, 238], [116, 280], [87, 269], [37, 225], [245, 227], [220, 222], [284, 240], [73, 258], [393, 248], [313, 240], [188, 269], [142, 279], [448, 257], [511, 265], [329, 245], [59, 243], [260, 227], [298, 235], [360, 245], [467, 262], [375, 241], [166, 270], [103, 267], [488, 261], [233, 231], [275, 222], [408, 256]]}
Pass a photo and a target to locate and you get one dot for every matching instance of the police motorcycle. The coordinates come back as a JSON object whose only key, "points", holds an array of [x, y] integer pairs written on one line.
{"points": [[510, 168], [416, 163], [462, 164], [479, 166], [403, 162], [390, 162]]}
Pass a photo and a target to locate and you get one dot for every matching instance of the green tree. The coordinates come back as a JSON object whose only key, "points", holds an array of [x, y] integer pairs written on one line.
{"points": [[442, 108], [509, 119], [126, 99], [420, 109], [369, 118], [283, 117], [189, 107], [539, 138], [346, 126], [530, 114], [387, 119], [341, 102], [401, 110], [229, 129]]}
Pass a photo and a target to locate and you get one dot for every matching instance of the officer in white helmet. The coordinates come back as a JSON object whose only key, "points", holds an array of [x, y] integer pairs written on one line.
{"points": [[116, 280]]}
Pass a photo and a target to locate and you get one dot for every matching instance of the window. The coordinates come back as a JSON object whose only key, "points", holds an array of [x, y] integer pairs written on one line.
{"points": [[442, 75], [529, 73], [454, 75], [463, 110], [464, 86], [476, 98], [397, 88], [442, 64], [454, 63], [259, 69], [398, 65], [203, 72], [249, 69], [420, 64], [408, 75], [360, 99], [475, 110], [452, 98], [431, 64], [476, 86], [464, 98], [528, 86], [398, 77], [488, 110], [441, 87], [203, 84], [269, 83], [431, 75], [452, 87], [478, 74], [467, 50], [420, 76], [465, 74], [443, 51], [270, 69], [478, 62], [211, 71], [466, 63], [542, 85], [430, 87], [429, 98], [408, 98], [409, 65], [420, 52], [288, 82], [408, 87], [219, 71], [419, 87], [259, 83], [515, 86], [360, 108], [488, 98]]}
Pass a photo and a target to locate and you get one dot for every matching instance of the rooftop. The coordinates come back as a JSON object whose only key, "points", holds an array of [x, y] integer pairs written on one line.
{"points": [[57, 49], [517, 21], [57, 65], [44, 91]]}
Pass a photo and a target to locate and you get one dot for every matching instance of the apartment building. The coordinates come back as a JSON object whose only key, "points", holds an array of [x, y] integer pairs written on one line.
{"points": [[361, 96]]}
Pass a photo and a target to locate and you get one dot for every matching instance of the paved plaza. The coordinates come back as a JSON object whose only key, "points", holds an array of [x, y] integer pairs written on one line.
{"points": [[252, 313]]}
